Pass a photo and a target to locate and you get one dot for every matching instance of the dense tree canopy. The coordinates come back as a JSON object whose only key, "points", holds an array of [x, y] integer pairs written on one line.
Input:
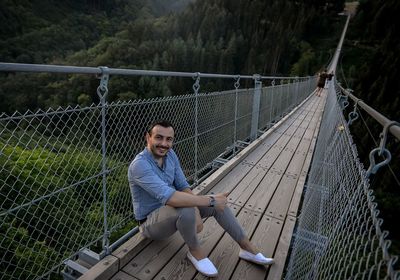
{"points": [[266, 37]]}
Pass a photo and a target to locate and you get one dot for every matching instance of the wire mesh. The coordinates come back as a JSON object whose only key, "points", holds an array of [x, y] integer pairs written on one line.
{"points": [[51, 162], [338, 235]]}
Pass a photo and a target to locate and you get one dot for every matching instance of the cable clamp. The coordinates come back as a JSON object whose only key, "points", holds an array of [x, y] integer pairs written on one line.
{"points": [[381, 151]]}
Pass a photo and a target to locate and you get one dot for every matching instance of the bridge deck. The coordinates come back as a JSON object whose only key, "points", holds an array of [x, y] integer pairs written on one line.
{"points": [[265, 182]]}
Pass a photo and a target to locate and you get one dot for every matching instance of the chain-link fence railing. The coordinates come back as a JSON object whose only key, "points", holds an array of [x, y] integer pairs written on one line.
{"points": [[63, 183], [338, 235]]}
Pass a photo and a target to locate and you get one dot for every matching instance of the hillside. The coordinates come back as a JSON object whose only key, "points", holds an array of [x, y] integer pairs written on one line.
{"points": [[266, 37]]}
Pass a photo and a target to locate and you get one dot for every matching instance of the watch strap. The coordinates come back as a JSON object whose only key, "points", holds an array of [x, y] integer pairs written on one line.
{"points": [[212, 201]]}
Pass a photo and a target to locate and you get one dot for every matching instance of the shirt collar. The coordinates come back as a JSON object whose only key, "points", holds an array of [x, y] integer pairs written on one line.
{"points": [[150, 157]]}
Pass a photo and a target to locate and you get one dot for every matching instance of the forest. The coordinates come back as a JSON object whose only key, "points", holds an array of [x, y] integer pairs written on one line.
{"points": [[214, 37], [272, 37]]}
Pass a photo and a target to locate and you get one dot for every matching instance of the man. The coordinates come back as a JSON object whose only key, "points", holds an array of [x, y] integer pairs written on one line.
{"points": [[163, 202]]}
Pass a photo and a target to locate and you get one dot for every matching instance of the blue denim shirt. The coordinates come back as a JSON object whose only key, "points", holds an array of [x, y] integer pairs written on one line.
{"points": [[151, 186]]}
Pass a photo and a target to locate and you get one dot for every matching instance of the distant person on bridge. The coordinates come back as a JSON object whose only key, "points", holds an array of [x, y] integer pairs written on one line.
{"points": [[321, 82], [163, 202], [329, 79]]}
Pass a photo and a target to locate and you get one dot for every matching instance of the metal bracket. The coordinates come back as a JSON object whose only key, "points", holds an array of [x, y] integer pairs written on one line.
{"points": [[353, 115], [196, 85], [381, 150], [102, 89]]}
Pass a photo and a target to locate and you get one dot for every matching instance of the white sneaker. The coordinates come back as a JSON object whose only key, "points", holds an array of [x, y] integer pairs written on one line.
{"points": [[258, 259], [204, 266]]}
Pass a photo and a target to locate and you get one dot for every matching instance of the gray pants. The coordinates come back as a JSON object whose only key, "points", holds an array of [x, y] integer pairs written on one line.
{"points": [[166, 220]]}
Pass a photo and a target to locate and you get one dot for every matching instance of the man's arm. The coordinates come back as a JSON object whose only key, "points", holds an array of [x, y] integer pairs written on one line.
{"points": [[187, 199]]}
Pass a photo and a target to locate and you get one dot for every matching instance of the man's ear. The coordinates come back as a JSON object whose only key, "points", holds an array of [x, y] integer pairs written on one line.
{"points": [[146, 136]]}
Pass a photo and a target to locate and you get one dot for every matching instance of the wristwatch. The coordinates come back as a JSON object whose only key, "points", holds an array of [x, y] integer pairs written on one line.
{"points": [[212, 201]]}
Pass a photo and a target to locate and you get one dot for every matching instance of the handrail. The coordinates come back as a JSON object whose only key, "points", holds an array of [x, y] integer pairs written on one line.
{"points": [[384, 121], [20, 67]]}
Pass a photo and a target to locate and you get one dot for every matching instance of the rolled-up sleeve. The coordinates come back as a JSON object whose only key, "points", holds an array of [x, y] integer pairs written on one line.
{"points": [[142, 175]]}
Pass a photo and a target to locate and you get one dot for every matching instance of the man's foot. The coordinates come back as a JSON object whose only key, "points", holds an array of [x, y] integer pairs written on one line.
{"points": [[255, 258], [198, 253], [204, 266]]}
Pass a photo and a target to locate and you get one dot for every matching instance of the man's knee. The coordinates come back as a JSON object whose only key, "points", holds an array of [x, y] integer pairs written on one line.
{"points": [[187, 215]]}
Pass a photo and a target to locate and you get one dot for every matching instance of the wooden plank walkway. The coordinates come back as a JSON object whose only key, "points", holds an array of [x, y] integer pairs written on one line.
{"points": [[265, 182]]}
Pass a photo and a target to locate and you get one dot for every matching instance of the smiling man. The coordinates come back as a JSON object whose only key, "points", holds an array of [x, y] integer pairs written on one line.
{"points": [[163, 202]]}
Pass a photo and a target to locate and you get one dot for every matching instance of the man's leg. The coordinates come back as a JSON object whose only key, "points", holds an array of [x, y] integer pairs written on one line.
{"points": [[227, 221], [231, 225], [166, 220]]}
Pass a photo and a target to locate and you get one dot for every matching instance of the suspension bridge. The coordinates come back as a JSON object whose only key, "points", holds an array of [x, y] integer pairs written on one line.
{"points": [[285, 156]]}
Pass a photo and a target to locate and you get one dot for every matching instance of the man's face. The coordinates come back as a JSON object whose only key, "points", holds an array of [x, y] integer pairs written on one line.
{"points": [[160, 140]]}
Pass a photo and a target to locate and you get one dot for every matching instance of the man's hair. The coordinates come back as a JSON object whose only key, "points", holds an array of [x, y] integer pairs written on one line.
{"points": [[163, 123]]}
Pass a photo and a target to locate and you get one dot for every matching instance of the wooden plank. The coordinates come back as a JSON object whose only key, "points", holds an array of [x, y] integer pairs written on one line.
{"points": [[261, 150], [123, 276], [268, 185], [295, 203], [246, 187], [301, 149], [269, 142], [103, 270], [285, 143], [259, 199], [282, 250], [148, 262], [297, 161], [181, 268], [283, 193], [130, 249], [240, 194], [280, 201], [265, 238], [231, 179], [296, 198], [268, 160], [244, 179]]}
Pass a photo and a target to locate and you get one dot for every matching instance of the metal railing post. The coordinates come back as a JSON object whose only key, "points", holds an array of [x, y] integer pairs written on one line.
{"points": [[297, 98], [271, 111], [102, 91], [256, 107], [196, 87], [235, 137]]}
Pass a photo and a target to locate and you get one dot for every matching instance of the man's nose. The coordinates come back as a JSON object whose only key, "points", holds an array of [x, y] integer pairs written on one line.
{"points": [[164, 142]]}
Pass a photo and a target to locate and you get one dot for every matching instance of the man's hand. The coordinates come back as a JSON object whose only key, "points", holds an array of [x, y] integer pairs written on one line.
{"points": [[220, 201]]}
